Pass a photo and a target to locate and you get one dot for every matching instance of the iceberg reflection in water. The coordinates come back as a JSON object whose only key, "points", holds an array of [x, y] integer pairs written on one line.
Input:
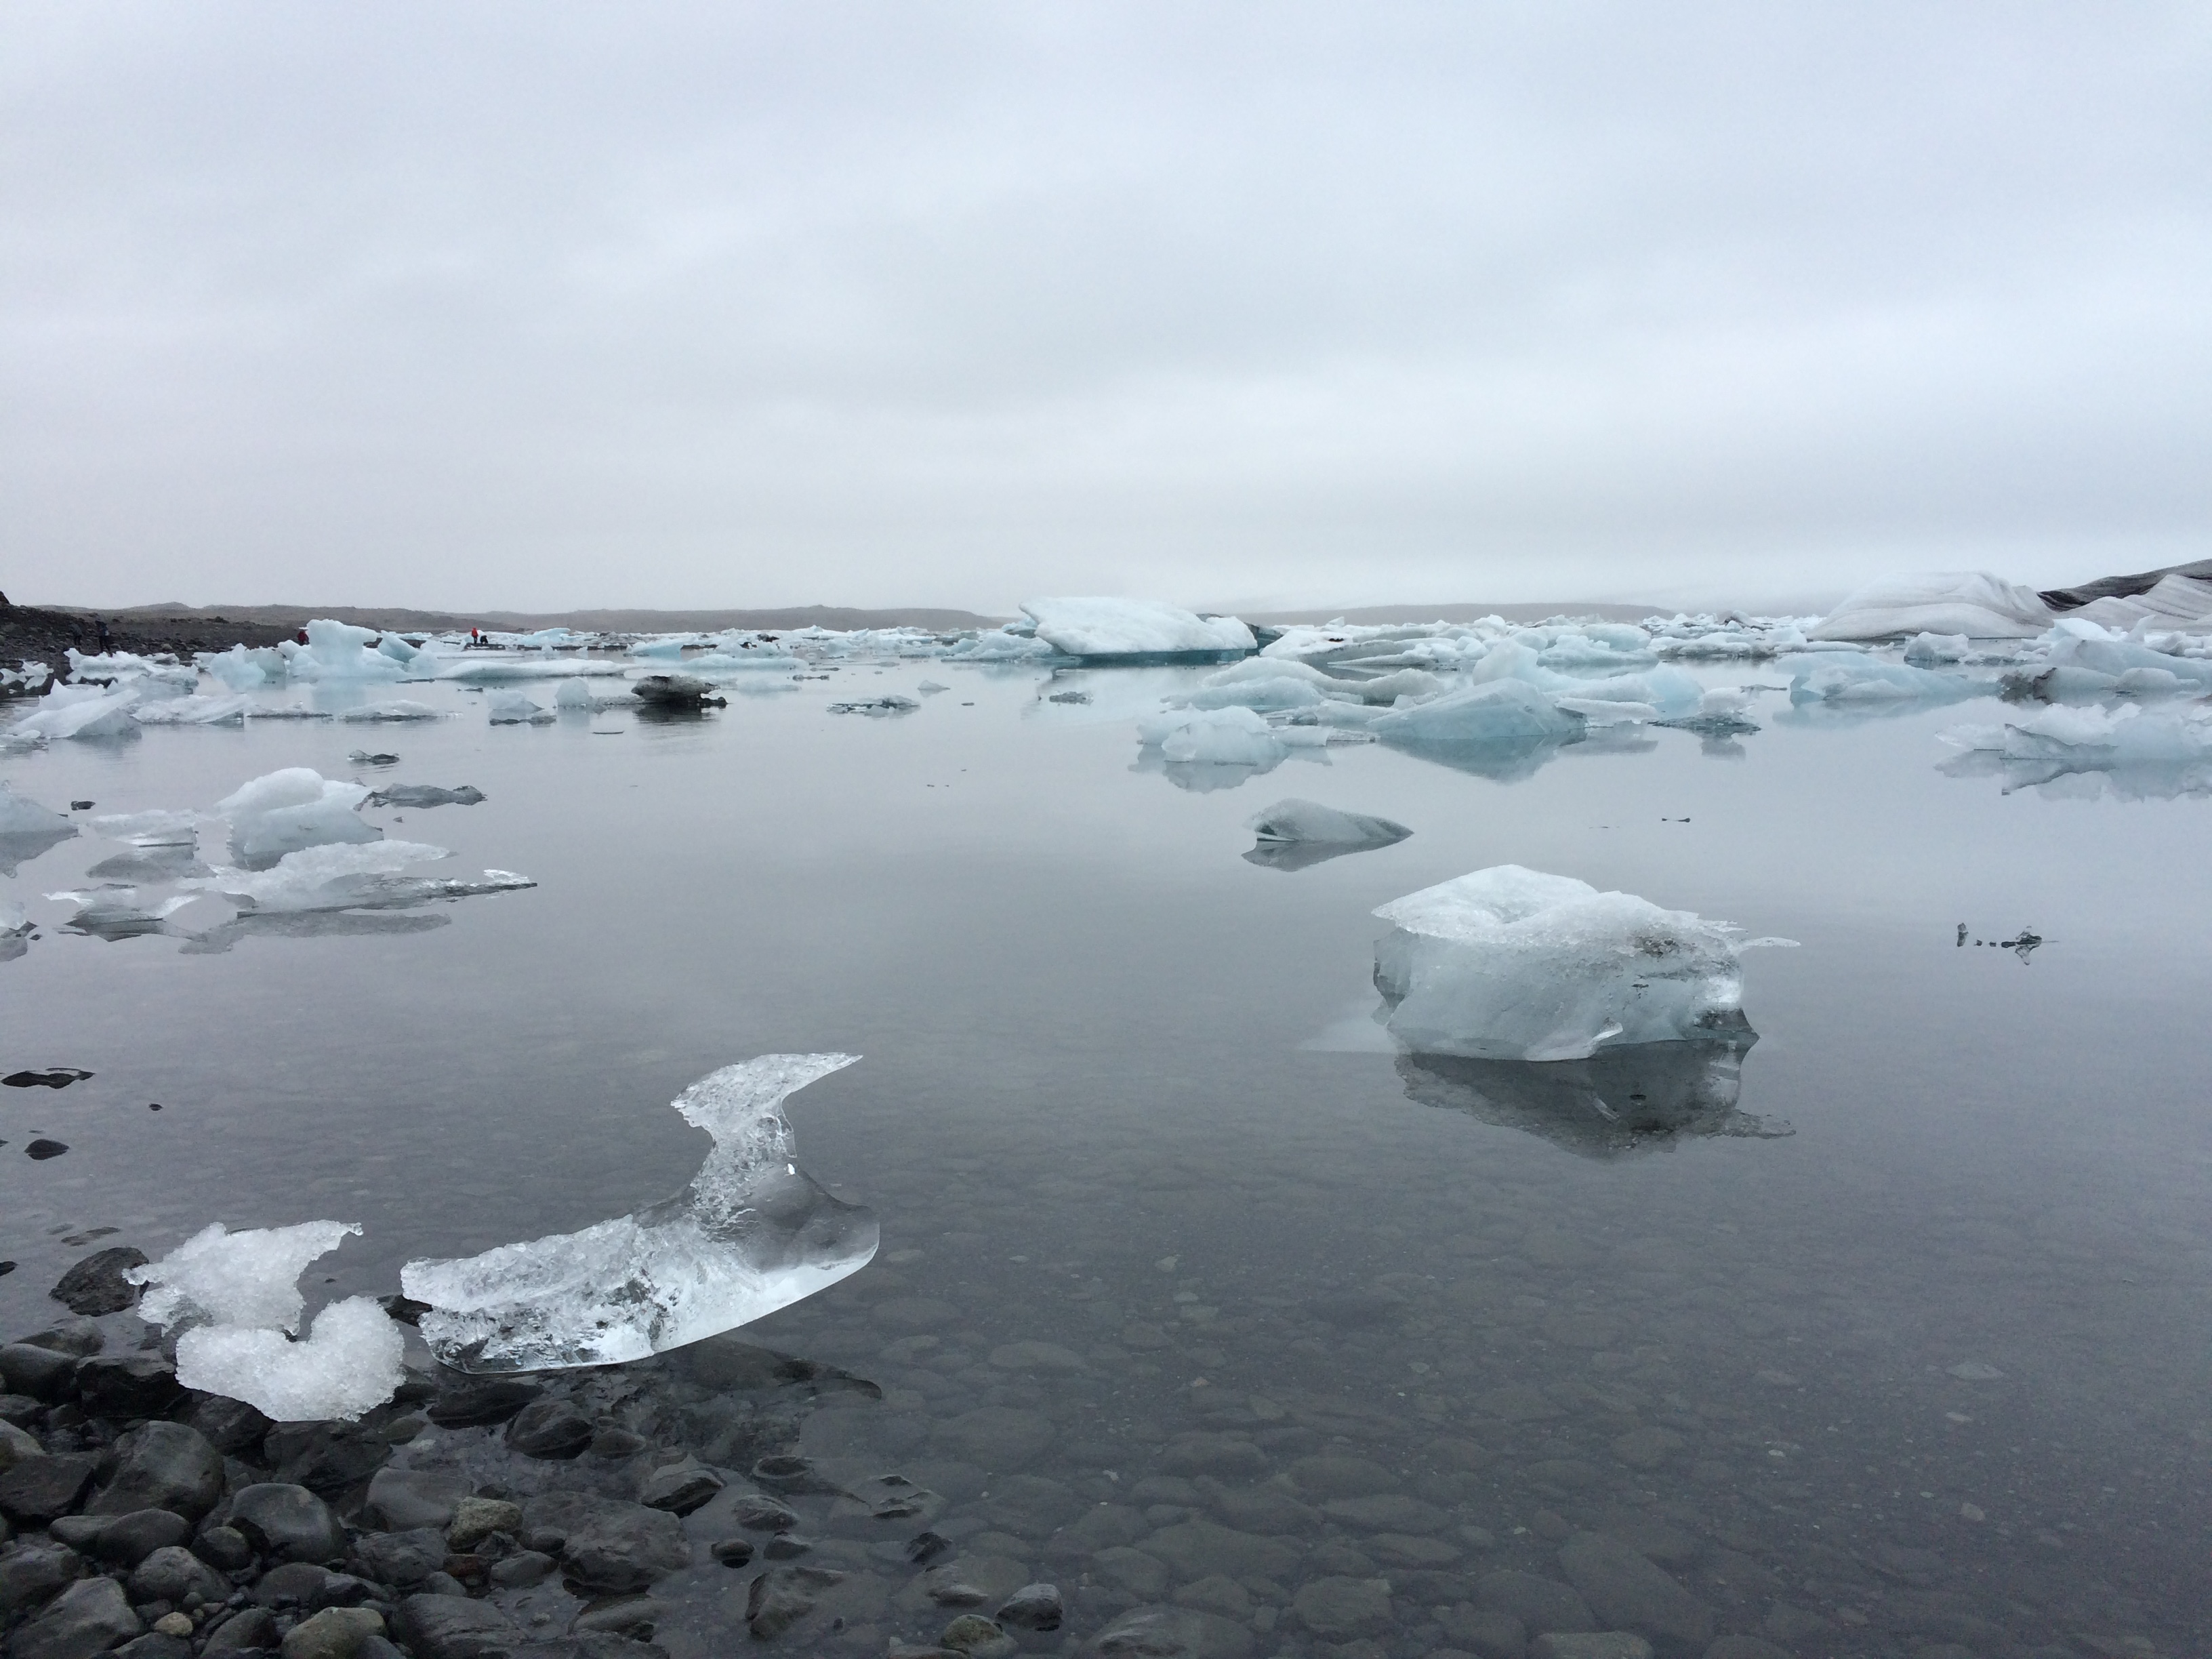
{"points": [[1618, 1102], [753, 1232]]}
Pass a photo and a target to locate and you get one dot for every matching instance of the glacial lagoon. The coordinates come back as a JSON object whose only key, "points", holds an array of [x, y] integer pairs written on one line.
{"points": [[1883, 1335]]}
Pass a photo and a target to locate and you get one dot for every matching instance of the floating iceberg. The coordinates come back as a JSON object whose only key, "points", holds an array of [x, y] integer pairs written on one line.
{"points": [[1972, 603], [513, 708], [2093, 739], [1212, 737], [244, 670], [340, 651], [195, 711], [1510, 963], [1127, 629], [150, 676], [1498, 713], [246, 1286], [22, 816], [1295, 834], [82, 711], [353, 877], [1849, 679], [753, 1232], [296, 808], [399, 709]]}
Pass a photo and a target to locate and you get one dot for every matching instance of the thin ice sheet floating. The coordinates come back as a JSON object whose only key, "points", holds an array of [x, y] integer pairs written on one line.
{"points": [[753, 1232], [1510, 963], [239, 1295]]}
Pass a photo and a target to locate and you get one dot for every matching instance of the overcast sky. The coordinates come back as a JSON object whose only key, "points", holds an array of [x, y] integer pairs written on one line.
{"points": [[539, 306]]}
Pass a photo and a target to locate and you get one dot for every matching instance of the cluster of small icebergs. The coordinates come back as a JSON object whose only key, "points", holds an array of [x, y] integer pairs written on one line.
{"points": [[305, 860], [752, 1233]]}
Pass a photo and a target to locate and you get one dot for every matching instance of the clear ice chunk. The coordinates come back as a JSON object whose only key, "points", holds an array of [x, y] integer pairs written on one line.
{"points": [[284, 812], [239, 1294], [753, 1232], [1512, 963]]}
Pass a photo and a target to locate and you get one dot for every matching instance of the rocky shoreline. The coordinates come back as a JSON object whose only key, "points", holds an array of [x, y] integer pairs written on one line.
{"points": [[31, 634]]}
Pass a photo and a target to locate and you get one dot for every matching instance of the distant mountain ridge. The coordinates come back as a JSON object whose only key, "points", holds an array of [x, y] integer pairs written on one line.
{"points": [[604, 622]]}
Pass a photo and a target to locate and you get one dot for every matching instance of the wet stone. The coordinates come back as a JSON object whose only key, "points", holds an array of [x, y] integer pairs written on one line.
{"points": [[732, 1552], [1266, 1508], [609, 1546], [1628, 1592], [781, 1597], [333, 1633], [1231, 1456], [161, 1466], [680, 1488], [287, 1523], [1134, 1571], [172, 1573], [761, 1514], [401, 1499], [978, 1637], [1157, 1632], [1387, 1512], [1488, 1634], [42, 1373], [1033, 1606], [326, 1458], [1342, 1477], [923, 1547], [621, 1615], [1340, 1610], [294, 1584], [999, 1438], [402, 1558], [251, 1628], [225, 1548], [1648, 1447], [786, 1546], [455, 1627], [481, 1401], [230, 1426], [32, 1570], [129, 1539], [1037, 1357], [42, 1489], [122, 1386], [522, 1570], [1198, 1549], [159, 1644], [551, 1429], [89, 1618], [97, 1284], [476, 1519], [1597, 1644], [1543, 1605]]}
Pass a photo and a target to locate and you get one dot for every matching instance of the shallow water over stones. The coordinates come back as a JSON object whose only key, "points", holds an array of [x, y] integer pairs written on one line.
{"points": [[1242, 1344]]}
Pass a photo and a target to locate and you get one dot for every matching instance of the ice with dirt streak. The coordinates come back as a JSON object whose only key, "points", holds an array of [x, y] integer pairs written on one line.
{"points": [[1513, 964], [238, 1295], [753, 1232]]}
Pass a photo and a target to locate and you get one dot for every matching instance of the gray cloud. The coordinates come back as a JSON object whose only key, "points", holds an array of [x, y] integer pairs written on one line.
{"points": [[542, 305]]}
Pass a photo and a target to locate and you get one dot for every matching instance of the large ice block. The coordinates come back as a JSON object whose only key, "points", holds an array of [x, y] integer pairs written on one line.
{"points": [[1512, 963], [82, 711], [22, 816], [1135, 628], [753, 1232], [1969, 602], [340, 651]]}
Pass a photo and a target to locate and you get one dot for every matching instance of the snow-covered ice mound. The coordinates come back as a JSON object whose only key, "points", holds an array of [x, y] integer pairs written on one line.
{"points": [[1512, 963], [1098, 628], [753, 1232], [286, 810], [245, 1287], [1972, 603]]}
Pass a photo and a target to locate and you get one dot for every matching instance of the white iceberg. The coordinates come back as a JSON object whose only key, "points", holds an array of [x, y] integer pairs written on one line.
{"points": [[297, 807], [340, 651], [82, 711], [244, 670], [1498, 713], [753, 1232], [147, 675], [22, 816], [335, 877], [513, 708], [1215, 736], [1135, 628], [249, 1278], [1972, 603], [1512, 963], [195, 711]]}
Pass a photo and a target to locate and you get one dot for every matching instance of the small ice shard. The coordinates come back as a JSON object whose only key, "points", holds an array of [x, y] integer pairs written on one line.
{"points": [[877, 706], [1972, 603], [425, 794], [285, 811], [1721, 713], [353, 877], [1323, 832], [931, 687], [1503, 713], [1510, 963], [753, 1232], [1107, 628], [513, 708], [239, 1295], [248, 1278], [573, 694], [399, 709]]}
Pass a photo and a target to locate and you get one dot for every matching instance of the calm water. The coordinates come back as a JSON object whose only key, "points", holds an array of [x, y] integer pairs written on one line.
{"points": [[1932, 1369]]}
